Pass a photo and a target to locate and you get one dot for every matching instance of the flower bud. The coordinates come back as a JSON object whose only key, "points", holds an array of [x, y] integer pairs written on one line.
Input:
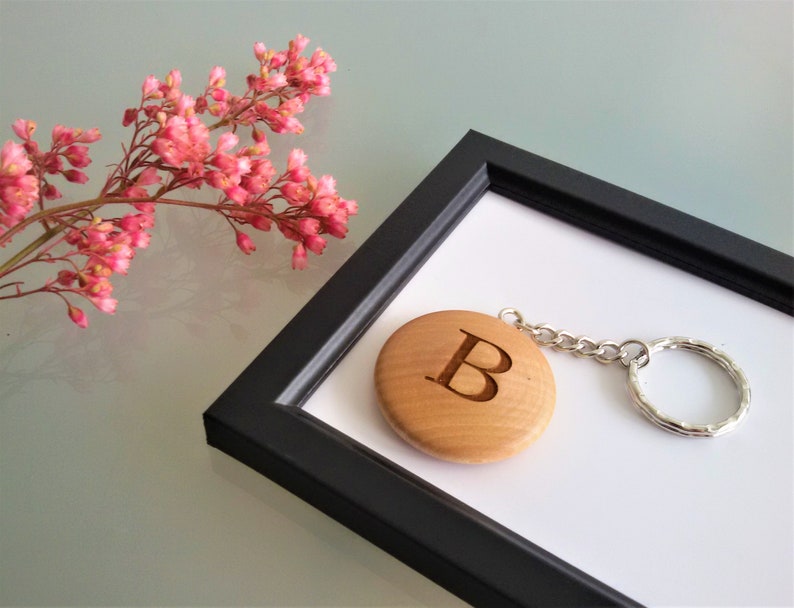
{"points": [[245, 243], [75, 176], [130, 114], [299, 261], [315, 243], [259, 51], [217, 77], [78, 316], [151, 87], [24, 128]]}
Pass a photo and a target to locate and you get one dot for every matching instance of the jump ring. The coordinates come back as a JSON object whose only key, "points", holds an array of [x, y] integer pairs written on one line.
{"points": [[642, 358], [512, 312]]}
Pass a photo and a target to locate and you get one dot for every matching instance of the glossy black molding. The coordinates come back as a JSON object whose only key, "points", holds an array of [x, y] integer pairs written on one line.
{"points": [[259, 421]]}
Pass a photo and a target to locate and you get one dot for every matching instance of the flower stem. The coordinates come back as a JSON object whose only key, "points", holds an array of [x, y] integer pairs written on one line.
{"points": [[33, 246], [92, 205]]}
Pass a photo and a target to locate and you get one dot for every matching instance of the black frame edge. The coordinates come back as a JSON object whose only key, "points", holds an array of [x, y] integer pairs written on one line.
{"points": [[699, 247], [474, 558]]}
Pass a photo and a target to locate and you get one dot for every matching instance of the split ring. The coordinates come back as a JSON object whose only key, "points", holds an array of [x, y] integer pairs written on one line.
{"points": [[680, 427]]}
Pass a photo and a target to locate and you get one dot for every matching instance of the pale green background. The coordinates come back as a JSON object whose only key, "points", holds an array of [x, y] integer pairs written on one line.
{"points": [[108, 492]]}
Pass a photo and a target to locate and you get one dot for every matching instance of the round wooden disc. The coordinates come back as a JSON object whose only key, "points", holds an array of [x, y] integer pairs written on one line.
{"points": [[464, 386]]}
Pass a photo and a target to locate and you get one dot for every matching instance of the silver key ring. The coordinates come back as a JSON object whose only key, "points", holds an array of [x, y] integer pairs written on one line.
{"points": [[681, 427], [636, 354]]}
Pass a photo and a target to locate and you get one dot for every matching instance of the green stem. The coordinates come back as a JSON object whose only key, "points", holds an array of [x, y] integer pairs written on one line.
{"points": [[33, 246], [91, 205]]}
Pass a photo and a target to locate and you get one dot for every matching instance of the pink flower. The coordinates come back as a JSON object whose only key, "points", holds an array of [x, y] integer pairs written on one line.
{"points": [[299, 259], [130, 116], [323, 187], [296, 169], [77, 156], [260, 51], [140, 239], [350, 207], [237, 194], [118, 257], [78, 316], [50, 192], [321, 86], [322, 60], [325, 200], [218, 179], [276, 81], [87, 137], [278, 60], [226, 142], [216, 109], [309, 226], [51, 163], [93, 281], [24, 128], [182, 140], [135, 222], [14, 160], [18, 189], [287, 124], [173, 80], [245, 243], [148, 177], [232, 165], [260, 222], [260, 176], [66, 277], [134, 192], [221, 95], [259, 137], [105, 304], [144, 207], [336, 223], [296, 194], [62, 136], [296, 47], [134, 228], [335, 229], [217, 77], [151, 88], [75, 176], [277, 121], [290, 107], [17, 198], [315, 243]]}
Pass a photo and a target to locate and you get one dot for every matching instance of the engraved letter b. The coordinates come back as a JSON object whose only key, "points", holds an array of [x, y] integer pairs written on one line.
{"points": [[459, 358]]}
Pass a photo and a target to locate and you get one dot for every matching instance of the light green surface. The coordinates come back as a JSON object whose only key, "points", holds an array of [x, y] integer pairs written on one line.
{"points": [[108, 492]]}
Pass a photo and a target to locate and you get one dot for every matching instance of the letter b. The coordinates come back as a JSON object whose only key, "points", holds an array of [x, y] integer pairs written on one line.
{"points": [[459, 358]]}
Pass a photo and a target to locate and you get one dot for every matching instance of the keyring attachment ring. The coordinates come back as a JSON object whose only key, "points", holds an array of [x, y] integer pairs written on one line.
{"points": [[680, 427]]}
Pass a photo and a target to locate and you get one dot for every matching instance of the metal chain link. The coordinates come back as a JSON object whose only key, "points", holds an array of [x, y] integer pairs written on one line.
{"points": [[605, 351]]}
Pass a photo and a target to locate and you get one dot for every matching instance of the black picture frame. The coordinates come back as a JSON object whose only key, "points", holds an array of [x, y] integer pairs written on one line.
{"points": [[259, 419]]}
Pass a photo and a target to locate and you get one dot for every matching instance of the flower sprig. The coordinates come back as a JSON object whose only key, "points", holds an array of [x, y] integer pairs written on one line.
{"points": [[172, 148]]}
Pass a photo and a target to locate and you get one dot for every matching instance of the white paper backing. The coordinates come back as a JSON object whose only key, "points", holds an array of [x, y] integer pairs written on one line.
{"points": [[664, 519]]}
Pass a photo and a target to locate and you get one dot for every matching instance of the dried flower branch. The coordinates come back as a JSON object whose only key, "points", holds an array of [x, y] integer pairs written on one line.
{"points": [[170, 149]]}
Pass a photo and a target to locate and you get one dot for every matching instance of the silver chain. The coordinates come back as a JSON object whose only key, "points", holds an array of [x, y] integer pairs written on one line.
{"points": [[634, 354], [605, 351]]}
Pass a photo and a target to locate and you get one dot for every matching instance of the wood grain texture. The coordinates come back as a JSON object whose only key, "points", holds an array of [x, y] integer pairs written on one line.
{"points": [[464, 386]]}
